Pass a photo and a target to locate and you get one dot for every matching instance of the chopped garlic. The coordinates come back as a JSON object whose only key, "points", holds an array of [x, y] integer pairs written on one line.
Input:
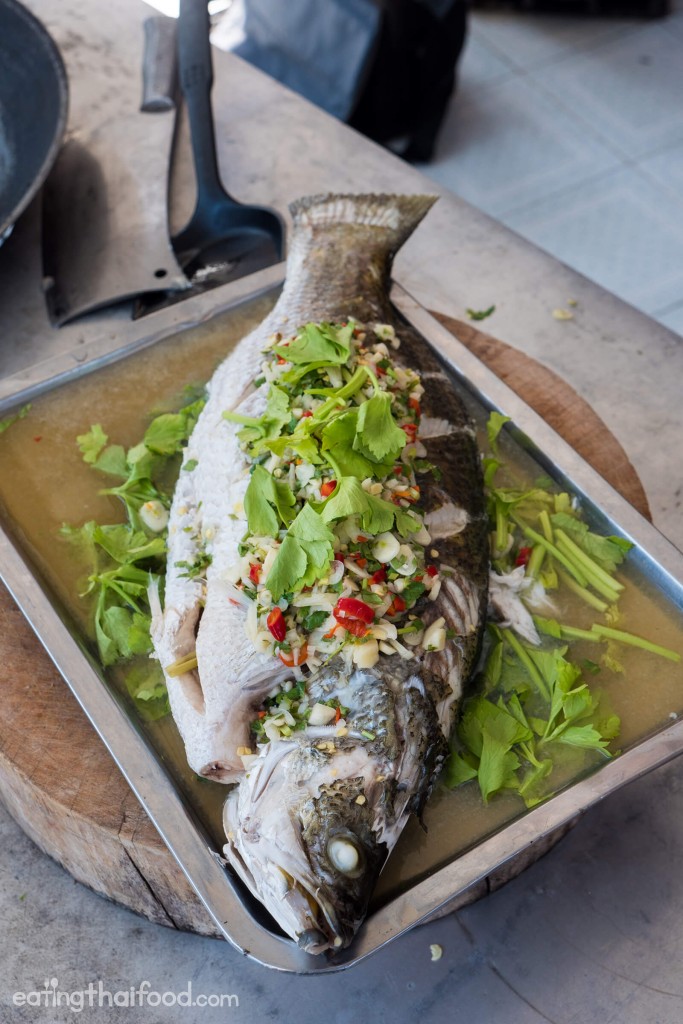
{"points": [[154, 516], [386, 548], [366, 655], [321, 714], [435, 636], [436, 951], [409, 561]]}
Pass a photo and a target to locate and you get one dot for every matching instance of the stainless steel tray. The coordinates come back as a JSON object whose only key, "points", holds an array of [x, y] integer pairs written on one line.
{"points": [[655, 557]]}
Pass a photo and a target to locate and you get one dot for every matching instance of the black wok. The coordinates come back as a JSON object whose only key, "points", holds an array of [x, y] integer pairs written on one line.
{"points": [[33, 107]]}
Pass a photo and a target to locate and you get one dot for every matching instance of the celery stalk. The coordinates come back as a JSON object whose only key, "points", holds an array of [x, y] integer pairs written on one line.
{"points": [[570, 566], [573, 633], [536, 676], [182, 665], [592, 599], [612, 596], [535, 561], [501, 529], [635, 641], [546, 525], [588, 564]]}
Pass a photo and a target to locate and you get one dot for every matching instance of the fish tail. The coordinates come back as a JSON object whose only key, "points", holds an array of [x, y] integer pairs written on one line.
{"points": [[396, 216], [341, 253]]}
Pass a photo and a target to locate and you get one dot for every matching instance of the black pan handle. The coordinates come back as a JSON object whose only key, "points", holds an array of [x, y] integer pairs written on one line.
{"points": [[196, 79]]}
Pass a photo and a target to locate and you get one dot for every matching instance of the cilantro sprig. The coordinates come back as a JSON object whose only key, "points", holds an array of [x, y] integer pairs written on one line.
{"points": [[365, 437], [125, 558]]}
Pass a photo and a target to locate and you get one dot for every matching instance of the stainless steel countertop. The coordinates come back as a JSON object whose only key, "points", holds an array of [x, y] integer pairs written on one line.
{"points": [[526, 953]]}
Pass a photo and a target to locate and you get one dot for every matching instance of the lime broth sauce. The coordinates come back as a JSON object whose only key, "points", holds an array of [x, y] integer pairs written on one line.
{"points": [[44, 483]]}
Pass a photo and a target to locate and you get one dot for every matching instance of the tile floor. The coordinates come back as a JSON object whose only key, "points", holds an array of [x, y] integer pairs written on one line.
{"points": [[570, 131]]}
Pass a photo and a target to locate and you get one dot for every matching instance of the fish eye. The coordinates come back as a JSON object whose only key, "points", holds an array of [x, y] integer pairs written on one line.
{"points": [[345, 855]]}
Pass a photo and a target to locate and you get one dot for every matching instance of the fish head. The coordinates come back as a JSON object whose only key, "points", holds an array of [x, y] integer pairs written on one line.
{"points": [[304, 834]]}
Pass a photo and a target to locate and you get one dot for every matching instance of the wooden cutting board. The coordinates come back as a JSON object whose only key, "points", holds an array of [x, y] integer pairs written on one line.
{"points": [[59, 782]]}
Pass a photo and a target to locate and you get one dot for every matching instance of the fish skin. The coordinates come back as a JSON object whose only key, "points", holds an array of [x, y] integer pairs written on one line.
{"points": [[301, 793]]}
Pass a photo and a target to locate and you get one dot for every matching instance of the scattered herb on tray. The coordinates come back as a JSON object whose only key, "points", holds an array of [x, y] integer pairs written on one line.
{"points": [[126, 558]]}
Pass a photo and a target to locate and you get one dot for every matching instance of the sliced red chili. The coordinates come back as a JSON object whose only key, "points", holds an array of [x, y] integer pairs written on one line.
{"points": [[410, 429], [397, 606], [348, 609], [355, 627], [414, 405], [254, 572], [432, 570], [276, 624], [523, 556], [306, 413], [327, 488], [380, 576]]}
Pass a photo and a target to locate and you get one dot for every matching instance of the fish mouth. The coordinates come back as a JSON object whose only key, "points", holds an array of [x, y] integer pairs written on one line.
{"points": [[299, 906]]}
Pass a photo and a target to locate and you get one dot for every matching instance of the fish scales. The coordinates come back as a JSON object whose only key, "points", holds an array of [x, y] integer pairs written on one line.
{"points": [[313, 818]]}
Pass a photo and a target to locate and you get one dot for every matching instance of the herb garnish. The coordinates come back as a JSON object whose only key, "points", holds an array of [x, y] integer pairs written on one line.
{"points": [[126, 558], [534, 705]]}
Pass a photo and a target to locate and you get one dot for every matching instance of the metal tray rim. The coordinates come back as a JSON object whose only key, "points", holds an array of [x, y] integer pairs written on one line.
{"points": [[201, 864]]}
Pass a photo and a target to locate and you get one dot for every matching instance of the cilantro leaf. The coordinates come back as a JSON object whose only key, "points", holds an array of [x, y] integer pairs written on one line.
{"points": [[378, 435], [412, 592], [376, 515], [314, 620], [145, 684], [319, 342], [256, 430], [339, 437], [113, 461], [267, 503], [169, 432], [92, 443], [127, 546], [304, 555], [300, 442]]}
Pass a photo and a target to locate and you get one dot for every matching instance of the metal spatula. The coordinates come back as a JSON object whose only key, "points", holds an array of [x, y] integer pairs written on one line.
{"points": [[224, 239]]}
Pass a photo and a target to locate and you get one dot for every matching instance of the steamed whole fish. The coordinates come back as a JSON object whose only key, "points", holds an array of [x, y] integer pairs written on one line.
{"points": [[327, 574]]}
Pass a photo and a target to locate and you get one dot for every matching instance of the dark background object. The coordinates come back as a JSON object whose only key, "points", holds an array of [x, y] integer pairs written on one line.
{"points": [[412, 74], [318, 48], [33, 108], [387, 67], [224, 239], [594, 8]]}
